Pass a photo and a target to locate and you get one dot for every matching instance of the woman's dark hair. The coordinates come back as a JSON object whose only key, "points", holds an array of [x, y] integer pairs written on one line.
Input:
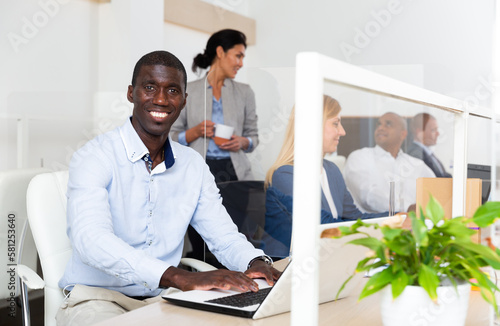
{"points": [[227, 38]]}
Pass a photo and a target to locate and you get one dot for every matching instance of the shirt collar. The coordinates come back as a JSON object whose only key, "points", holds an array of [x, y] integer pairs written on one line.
{"points": [[380, 151], [210, 86], [136, 149], [169, 154]]}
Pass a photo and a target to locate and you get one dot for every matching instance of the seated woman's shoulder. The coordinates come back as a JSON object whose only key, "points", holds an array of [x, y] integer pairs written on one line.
{"points": [[284, 169], [329, 165]]}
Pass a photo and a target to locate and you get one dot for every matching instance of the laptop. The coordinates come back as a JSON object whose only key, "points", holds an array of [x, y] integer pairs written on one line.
{"points": [[336, 263], [482, 172]]}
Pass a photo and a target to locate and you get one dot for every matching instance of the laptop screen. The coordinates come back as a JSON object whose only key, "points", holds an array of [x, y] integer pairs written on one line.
{"points": [[482, 172]]}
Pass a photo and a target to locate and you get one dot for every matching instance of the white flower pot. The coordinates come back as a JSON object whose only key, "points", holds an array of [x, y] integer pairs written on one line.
{"points": [[414, 307]]}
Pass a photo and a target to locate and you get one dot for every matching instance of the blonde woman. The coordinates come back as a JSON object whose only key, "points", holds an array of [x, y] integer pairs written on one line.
{"points": [[336, 201]]}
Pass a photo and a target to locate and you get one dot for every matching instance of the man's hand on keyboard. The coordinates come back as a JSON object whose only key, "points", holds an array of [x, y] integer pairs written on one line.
{"points": [[260, 269], [218, 279]]}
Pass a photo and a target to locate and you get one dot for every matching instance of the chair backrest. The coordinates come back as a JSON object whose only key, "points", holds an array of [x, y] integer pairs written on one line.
{"points": [[339, 160], [46, 204], [15, 234], [245, 202]]}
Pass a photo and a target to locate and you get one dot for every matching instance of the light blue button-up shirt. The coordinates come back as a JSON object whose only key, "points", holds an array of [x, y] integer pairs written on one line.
{"points": [[127, 225], [213, 151]]}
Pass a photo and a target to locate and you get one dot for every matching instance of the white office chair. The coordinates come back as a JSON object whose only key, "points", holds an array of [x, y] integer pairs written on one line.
{"points": [[339, 160], [46, 203], [15, 234]]}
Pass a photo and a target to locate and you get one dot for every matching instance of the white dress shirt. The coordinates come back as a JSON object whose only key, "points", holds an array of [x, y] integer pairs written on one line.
{"points": [[369, 171]]}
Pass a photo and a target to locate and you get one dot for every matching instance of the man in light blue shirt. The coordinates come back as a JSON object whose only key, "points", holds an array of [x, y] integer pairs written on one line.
{"points": [[132, 193]]}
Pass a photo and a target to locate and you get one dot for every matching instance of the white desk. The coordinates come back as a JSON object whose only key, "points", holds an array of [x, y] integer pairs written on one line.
{"points": [[344, 312]]}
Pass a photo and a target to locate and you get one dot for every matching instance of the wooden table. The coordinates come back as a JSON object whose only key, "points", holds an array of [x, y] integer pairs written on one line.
{"points": [[345, 312]]}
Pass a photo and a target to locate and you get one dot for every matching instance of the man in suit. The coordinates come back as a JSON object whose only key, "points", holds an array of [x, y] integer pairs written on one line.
{"points": [[425, 134]]}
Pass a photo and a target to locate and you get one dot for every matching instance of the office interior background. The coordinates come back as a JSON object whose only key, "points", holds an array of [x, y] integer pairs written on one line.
{"points": [[67, 64]]}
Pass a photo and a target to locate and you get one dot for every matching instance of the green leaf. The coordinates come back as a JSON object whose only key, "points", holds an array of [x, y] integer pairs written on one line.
{"points": [[493, 263], [485, 285], [456, 228], [434, 210], [343, 285], [347, 230], [371, 243], [363, 265], [428, 279], [402, 245], [376, 283], [353, 229], [420, 232], [483, 280], [397, 266], [398, 283], [487, 214], [414, 215], [390, 233], [483, 251]]}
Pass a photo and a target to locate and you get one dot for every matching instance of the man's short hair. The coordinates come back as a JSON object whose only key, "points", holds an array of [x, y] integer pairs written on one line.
{"points": [[162, 58], [419, 121]]}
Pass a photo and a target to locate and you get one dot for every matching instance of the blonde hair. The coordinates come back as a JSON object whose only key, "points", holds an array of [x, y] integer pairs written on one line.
{"points": [[331, 108]]}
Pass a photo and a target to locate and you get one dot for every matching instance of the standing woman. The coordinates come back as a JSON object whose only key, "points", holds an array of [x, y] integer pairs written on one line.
{"points": [[218, 99]]}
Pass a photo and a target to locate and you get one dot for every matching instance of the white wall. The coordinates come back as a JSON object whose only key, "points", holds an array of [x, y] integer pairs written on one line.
{"points": [[449, 41], [66, 68], [47, 50], [452, 39], [79, 63]]}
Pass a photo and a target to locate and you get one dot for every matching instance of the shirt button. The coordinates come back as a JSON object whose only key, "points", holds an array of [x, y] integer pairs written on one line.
{"points": [[145, 284]]}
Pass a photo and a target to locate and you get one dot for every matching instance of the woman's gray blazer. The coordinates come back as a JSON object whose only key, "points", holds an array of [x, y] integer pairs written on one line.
{"points": [[238, 104]]}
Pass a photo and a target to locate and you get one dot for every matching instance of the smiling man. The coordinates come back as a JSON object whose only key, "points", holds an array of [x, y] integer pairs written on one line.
{"points": [[132, 193], [369, 171]]}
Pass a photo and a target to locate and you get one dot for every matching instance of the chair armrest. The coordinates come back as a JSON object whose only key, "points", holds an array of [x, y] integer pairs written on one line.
{"points": [[29, 277], [197, 265]]}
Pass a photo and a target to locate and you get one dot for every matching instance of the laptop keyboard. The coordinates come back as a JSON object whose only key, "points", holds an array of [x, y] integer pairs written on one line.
{"points": [[242, 299]]}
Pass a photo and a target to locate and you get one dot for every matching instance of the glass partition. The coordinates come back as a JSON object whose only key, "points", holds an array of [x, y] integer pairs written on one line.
{"points": [[361, 109], [428, 136], [369, 96]]}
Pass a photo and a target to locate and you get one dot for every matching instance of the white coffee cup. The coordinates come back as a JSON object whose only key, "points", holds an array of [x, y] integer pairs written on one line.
{"points": [[222, 133]]}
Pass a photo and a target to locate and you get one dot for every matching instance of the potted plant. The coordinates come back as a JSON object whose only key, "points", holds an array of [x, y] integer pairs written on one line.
{"points": [[436, 255]]}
